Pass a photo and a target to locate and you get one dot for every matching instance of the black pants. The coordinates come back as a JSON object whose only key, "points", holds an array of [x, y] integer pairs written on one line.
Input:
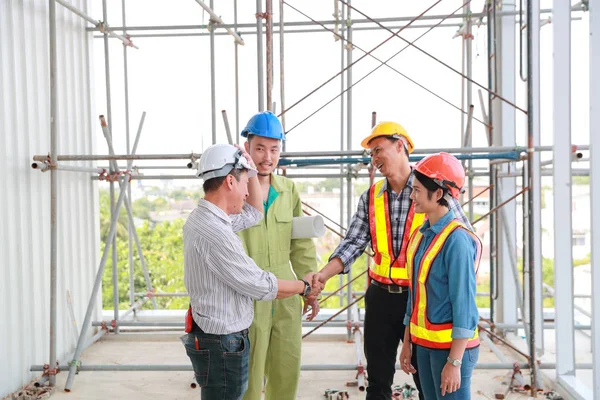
{"points": [[384, 329]]}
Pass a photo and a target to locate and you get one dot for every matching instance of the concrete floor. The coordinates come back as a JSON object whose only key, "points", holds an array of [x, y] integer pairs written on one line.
{"points": [[165, 348]]}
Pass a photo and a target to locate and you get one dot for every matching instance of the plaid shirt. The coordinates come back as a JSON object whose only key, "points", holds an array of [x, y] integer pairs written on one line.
{"points": [[359, 234]]}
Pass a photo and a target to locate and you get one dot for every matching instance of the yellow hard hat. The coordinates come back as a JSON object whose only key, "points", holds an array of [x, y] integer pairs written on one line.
{"points": [[388, 129]]}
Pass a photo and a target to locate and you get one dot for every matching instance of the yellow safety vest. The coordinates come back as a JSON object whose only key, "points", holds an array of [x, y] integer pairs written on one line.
{"points": [[422, 331], [385, 268]]}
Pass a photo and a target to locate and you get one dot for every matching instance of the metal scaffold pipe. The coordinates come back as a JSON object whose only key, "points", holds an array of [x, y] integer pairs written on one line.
{"points": [[217, 20], [315, 175], [53, 190], [227, 128], [349, 114], [102, 26], [278, 31], [331, 22], [259, 55], [130, 223], [382, 63], [213, 94], [269, 42], [315, 367], [350, 62], [73, 367], [282, 68], [128, 208], [495, 94], [187, 156], [531, 174], [333, 322]]}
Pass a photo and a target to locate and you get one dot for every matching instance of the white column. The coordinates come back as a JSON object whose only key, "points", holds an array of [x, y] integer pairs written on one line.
{"points": [[595, 184], [507, 186], [563, 257]]}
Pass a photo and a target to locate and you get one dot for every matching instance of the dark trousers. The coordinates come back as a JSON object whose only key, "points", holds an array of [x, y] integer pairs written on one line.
{"points": [[384, 330], [220, 363]]}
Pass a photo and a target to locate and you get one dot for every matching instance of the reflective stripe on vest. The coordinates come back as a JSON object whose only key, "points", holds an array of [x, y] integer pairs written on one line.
{"points": [[381, 238], [422, 331]]}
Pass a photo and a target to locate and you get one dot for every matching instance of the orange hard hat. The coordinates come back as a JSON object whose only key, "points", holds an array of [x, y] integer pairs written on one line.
{"points": [[392, 129], [445, 170]]}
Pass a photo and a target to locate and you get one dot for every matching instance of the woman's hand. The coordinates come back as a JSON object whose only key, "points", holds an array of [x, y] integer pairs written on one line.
{"points": [[450, 379], [405, 357]]}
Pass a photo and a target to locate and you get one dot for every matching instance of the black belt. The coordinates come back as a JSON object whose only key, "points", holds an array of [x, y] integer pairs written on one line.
{"points": [[196, 328], [390, 288]]}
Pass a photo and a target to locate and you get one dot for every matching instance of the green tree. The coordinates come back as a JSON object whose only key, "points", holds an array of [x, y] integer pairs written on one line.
{"points": [[581, 180], [358, 286], [154, 191], [196, 195], [328, 184], [361, 187], [302, 187], [142, 207], [162, 246], [179, 194], [547, 278], [105, 217]]}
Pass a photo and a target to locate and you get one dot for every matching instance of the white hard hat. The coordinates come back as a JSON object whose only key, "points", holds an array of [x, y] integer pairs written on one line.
{"points": [[219, 159]]}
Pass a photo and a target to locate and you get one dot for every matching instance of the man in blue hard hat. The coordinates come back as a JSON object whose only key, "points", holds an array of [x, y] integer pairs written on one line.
{"points": [[276, 332]]}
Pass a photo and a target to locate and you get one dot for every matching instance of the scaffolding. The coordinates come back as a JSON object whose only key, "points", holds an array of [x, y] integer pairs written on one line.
{"points": [[507, 162]]}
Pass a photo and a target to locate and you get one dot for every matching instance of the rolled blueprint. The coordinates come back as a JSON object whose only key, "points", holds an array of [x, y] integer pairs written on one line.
{"points": [[308, 227]]}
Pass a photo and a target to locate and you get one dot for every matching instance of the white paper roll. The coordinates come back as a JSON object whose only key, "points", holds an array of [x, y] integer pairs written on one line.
{"points": [[308, 227]]}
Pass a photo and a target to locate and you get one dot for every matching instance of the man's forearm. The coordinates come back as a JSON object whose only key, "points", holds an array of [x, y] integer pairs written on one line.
{"points": [[289, 288], [254, 194], [333, 267]]}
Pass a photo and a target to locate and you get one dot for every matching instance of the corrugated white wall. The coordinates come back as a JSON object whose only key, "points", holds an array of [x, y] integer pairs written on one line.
{"points": [[25, 193]]}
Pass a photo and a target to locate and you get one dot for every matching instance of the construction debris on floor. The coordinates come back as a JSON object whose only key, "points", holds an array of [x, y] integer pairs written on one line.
{"points": [[552, 395], [31, 392], [405, 391], [332, 394]]}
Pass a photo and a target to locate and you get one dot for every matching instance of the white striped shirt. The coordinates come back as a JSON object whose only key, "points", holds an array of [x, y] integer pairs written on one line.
{"points": [[219, 276]]}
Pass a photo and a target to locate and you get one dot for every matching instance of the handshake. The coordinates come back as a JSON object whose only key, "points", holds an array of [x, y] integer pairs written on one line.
{"points": [[316, 284]]}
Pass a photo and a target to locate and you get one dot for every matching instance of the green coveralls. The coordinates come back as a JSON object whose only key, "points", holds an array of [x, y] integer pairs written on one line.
{"points": [[276, 332]]}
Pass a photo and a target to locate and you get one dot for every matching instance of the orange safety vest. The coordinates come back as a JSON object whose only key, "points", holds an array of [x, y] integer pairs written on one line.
{"points": [[422, 331], [381, 239]]}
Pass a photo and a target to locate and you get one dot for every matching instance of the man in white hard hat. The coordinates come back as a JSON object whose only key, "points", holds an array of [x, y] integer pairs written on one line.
{"points": [[221, 279]]}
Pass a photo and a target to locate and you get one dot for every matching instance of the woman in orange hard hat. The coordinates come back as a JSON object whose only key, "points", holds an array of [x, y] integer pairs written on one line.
{"points": [[442, 260]]}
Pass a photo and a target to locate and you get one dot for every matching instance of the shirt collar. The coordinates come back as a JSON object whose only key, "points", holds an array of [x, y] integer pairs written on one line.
{"points": [[409, 183], [277, 183], [217, 211], [438, 226]]}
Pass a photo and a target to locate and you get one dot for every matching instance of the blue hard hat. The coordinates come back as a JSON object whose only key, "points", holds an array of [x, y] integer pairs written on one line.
{"points": [[264, 124]]}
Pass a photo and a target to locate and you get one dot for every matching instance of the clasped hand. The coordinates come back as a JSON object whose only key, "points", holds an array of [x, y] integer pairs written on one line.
{"points": [[311, 300], [316, 286]]}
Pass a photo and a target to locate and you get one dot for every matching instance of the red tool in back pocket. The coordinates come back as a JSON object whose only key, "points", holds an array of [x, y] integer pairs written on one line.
{"points": [[189, 320]]}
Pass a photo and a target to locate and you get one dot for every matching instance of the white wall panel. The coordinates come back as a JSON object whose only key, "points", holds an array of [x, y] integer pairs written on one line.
{"points": [[25, 193]]}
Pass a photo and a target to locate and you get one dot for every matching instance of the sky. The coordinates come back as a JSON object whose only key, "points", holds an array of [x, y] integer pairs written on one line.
{"points": [[169, 78]]}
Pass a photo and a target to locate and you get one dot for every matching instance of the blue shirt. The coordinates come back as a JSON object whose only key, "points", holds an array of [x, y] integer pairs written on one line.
{"points": [[451, 284]]}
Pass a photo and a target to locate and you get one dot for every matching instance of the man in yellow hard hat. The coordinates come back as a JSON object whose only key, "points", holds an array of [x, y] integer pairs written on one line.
{"points": [[385, 218]]}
